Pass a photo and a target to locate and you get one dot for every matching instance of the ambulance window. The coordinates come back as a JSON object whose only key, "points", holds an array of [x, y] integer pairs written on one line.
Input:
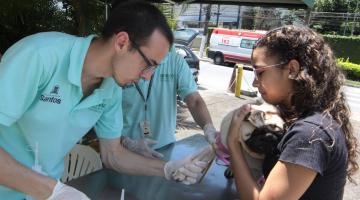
{"points": [[247, 44]]}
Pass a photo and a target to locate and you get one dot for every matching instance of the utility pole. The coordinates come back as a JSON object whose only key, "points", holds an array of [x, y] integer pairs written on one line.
{"points": [[206, 26], [355, 15], [346, 23], [207, 18], [200, 13], [106, 10], [239, 18], [308, 16], [347, 17], [218, 15]]}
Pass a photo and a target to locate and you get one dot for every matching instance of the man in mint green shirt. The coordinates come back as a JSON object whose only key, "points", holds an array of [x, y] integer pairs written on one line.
{"points": [[171, 78], [54, 87]]}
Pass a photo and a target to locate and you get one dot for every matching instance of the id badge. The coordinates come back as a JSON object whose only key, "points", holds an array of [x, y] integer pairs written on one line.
{"points": [[145, 128]]}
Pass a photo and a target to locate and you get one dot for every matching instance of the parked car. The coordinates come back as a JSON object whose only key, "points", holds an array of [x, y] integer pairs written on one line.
{"points": [[183, 38], [191, 59]]}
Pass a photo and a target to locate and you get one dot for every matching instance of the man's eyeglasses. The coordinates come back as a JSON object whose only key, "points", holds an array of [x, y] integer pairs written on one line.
{"points": [[259, 70], [151, 66]]}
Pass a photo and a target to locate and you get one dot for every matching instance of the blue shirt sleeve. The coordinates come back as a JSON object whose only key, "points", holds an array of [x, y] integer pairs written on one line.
{"points": [[110, 124], [185, 81], [21, 71]]}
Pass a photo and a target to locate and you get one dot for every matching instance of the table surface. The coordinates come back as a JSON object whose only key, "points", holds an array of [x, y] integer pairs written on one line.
{"points": [[107, 184]]}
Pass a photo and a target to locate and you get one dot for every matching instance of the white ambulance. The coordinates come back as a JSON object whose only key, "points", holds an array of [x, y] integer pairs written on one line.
{"points": [[233, 46]]}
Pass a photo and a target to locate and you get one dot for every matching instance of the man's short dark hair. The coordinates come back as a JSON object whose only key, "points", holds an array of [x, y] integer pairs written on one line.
{"points": [[139, 19]]}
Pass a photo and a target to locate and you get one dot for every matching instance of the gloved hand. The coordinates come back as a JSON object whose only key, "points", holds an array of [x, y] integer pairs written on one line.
{"points": [[64, 192], [189, 169], [141, 147], [190, 173], [210, 133]]}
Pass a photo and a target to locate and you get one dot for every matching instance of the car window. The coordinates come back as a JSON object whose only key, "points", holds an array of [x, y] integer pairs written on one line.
{"points": [[247, 43], [184, 34]]}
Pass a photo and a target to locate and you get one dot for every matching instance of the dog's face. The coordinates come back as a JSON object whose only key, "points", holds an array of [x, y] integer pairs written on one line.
{"points": [[260, 131]]}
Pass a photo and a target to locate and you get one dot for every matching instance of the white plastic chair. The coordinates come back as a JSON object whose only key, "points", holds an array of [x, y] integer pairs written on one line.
{"points": [[80, 161]]}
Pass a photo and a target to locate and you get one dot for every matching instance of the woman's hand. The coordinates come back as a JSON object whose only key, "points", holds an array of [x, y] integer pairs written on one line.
{"points": [[238, 118]]}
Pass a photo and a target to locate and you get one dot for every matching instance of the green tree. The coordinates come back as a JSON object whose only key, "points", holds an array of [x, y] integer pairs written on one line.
{"points": [[88, 16], [267, 18], [248, 18], [331, 6], [168, 10], [20, 18], [337, 26]]}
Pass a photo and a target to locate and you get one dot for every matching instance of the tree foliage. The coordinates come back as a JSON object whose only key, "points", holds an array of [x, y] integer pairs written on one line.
{"points": [[20, 18], [336, 25], [335, 6]]}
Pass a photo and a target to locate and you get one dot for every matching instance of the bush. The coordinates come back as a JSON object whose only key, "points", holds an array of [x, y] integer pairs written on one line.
{"points": [[351, 70], [345, 47]]}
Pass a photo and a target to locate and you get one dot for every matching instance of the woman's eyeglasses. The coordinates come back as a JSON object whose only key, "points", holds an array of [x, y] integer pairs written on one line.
{"points": [[258, 70]]}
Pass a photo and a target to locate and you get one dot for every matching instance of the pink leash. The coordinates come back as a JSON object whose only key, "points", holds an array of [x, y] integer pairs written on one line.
{"points": [[222, 152]]}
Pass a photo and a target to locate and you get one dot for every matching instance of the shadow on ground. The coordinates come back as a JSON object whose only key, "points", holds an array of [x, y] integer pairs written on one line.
{"points": [[183, 121]]}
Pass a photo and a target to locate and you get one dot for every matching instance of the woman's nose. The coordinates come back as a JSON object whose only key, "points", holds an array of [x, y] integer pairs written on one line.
{"points": [[255, 83]]}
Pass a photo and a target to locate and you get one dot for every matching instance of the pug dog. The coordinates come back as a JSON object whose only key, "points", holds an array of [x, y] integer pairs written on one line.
{"points": [[259, 134]]}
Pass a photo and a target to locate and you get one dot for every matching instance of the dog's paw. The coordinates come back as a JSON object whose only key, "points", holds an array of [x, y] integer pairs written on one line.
{"points": [[228, 173]]}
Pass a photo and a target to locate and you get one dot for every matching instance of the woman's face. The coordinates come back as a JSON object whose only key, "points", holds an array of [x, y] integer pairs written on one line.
{"points": [[272, 79]]}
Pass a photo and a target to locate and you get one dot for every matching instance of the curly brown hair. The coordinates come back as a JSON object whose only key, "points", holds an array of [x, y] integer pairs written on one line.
{"points": [[318, 85]]}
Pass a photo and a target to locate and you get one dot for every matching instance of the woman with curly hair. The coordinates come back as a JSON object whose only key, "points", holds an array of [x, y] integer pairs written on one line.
{"points": [[296, 71]]}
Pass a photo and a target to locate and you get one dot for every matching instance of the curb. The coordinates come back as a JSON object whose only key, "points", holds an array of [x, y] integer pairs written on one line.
{"points": [[205, 59]]}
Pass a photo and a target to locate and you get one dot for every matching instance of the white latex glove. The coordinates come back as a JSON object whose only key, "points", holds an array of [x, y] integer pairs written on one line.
{"points": [[206, 154], [141, 146], [64, 192], [189, 169], [189, 174], [210, 133]]}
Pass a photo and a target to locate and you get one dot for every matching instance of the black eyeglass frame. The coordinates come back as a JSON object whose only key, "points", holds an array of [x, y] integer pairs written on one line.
{"points": [[151, 66], [256, 70]]}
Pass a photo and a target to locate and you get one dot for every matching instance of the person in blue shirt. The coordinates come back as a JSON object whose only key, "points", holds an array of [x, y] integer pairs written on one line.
{"points": [[54, 87], [149, 107]]}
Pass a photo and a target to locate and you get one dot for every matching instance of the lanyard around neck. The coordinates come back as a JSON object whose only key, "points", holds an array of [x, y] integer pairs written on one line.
{"points": [[148, 92]]}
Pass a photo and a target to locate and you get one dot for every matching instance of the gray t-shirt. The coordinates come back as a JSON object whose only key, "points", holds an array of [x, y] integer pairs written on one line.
{"points": [[317, 142]]}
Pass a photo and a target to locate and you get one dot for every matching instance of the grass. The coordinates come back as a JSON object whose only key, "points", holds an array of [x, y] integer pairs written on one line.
{"points": [[352, 83]]}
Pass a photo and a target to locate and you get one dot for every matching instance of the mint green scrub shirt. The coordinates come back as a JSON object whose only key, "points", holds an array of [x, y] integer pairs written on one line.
{"points": [[40, 102], [172, 77]]}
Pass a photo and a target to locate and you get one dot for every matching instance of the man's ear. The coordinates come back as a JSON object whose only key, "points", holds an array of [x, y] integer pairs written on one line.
{"points": [[294, 67], [121, 41]]}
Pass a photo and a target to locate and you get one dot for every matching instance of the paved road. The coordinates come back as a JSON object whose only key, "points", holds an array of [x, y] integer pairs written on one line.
{"points": [[353, 97]]}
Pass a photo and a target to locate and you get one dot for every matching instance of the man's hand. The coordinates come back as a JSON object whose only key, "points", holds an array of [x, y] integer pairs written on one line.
{"points": [[210, 133], [189, 170], [141, 146], [64, 192]]}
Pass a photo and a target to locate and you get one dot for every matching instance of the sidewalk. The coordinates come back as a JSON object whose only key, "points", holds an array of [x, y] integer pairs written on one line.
{"points": [[219, 104]]}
